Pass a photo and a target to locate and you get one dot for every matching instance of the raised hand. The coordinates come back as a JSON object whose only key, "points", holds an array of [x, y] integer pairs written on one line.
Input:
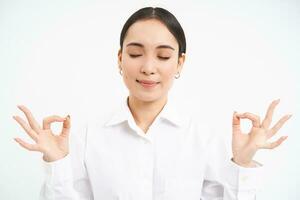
{"points": [[244, 146], [53, 147]]}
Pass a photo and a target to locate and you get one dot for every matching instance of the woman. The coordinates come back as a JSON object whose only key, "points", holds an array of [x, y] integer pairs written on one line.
{"points": [[148, 149]]}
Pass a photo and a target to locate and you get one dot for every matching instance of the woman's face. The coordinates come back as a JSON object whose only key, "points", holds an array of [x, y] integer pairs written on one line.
{"points": [[149, 60]]}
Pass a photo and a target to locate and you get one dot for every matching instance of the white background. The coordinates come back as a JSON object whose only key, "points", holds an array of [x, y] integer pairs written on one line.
{"points": [[60, 57]]}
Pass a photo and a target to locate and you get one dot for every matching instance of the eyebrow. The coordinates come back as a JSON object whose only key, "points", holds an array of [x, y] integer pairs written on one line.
{"points": [[141, 45]]}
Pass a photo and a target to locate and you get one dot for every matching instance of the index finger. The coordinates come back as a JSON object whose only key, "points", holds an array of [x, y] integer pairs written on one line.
{"points": [[49, 120], [254, 118], [32, 122]]}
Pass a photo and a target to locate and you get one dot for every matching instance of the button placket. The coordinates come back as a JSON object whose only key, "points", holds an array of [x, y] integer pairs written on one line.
{"points": [[146, 166]]}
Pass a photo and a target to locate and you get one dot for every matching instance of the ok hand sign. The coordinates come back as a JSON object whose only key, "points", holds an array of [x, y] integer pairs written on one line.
{"points": [[244, 146], [52, 146]]}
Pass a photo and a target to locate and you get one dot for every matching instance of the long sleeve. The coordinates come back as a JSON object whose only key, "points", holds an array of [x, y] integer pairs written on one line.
{"points": [[67, 179], [225, 180]]}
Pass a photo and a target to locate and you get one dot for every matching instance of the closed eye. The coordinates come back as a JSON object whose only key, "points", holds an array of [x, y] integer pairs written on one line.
{"points": [[163, 58], [134, 55]]}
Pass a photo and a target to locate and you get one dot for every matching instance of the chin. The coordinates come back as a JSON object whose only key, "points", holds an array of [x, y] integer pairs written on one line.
{"points": [[148, 97]]}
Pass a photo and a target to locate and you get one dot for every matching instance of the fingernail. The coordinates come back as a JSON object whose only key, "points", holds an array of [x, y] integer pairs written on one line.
{"points": [[68, 116], [290, 115], [277, 101]]}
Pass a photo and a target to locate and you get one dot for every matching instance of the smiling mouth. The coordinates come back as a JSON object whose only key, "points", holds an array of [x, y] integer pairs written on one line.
{"points": [[147, 84], [146, 81]]}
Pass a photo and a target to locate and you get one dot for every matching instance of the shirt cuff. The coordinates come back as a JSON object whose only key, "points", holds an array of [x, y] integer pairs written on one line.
{"points": [[242, 178], [58, 171]]}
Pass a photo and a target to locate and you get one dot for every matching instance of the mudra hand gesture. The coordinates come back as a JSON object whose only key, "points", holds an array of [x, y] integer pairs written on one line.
{"points": [[244, 146], [52, 146]]}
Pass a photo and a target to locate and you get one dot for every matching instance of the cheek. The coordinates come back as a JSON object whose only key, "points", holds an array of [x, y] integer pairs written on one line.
{"points": [[130, 69], [168, 71]]}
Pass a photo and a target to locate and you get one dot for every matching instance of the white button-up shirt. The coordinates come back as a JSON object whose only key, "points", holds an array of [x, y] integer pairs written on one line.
{"points": [[178, 159]]}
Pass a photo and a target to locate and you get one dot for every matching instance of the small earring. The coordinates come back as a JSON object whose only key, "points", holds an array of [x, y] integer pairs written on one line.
{"points": [[177, 75], [121, 72]]}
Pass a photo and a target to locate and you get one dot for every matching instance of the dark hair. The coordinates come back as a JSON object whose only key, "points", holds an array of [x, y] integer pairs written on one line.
{"points": [[162, 15]]}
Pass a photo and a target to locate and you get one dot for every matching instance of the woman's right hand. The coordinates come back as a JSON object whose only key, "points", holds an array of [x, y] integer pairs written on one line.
{"points": [[53, 147]]}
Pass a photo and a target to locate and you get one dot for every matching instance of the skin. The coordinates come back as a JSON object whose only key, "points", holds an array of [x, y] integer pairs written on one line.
{"points": [[157, 51], [144, 57], [53, 147], [244, 146]]}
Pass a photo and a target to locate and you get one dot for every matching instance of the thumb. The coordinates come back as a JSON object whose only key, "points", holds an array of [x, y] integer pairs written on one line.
{"points": [[66, 126], [235, 122]]}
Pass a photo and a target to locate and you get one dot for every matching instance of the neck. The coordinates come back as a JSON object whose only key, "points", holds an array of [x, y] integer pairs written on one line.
{"points": [[144, 112]]}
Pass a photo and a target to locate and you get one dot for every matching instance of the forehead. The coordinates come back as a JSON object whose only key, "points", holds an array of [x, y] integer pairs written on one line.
{"points": [[150, 32]]}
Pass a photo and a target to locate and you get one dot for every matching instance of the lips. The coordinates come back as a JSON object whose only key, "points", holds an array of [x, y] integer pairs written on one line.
{"points": [[147, 82]]}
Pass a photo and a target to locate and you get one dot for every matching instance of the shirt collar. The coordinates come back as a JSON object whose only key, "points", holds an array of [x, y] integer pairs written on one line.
{"points": [[169, 113]]}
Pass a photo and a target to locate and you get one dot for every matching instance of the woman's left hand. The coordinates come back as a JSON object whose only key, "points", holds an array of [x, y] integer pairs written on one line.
{"points": [[244, 146]]}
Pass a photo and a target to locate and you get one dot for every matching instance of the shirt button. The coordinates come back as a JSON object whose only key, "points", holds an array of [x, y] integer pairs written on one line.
{"points": [[144, 141], [244, 178]]}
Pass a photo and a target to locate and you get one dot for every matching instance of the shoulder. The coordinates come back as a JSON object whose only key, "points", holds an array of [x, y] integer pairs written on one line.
{"points": [[207, 127], [89, 121], [98, 122]]}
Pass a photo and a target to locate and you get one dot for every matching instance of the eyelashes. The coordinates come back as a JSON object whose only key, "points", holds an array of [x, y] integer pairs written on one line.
{"points": [[138, 55], [163, 58], [134, 55]]}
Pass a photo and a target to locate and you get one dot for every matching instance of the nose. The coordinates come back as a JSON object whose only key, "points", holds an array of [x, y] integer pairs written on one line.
{"points": [[149, 66]]}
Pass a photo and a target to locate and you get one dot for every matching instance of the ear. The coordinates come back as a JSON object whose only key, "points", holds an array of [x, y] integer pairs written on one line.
{"points": [[120, 58], [181, 60]]}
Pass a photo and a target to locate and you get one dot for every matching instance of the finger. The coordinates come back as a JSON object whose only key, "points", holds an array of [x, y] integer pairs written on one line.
{"points": [[66, 126], [30, 147], [32, 122], [278, 125], [254, 118], [235, 123], [268, 118], [275, 144], [26, 127], [49, 120]]}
